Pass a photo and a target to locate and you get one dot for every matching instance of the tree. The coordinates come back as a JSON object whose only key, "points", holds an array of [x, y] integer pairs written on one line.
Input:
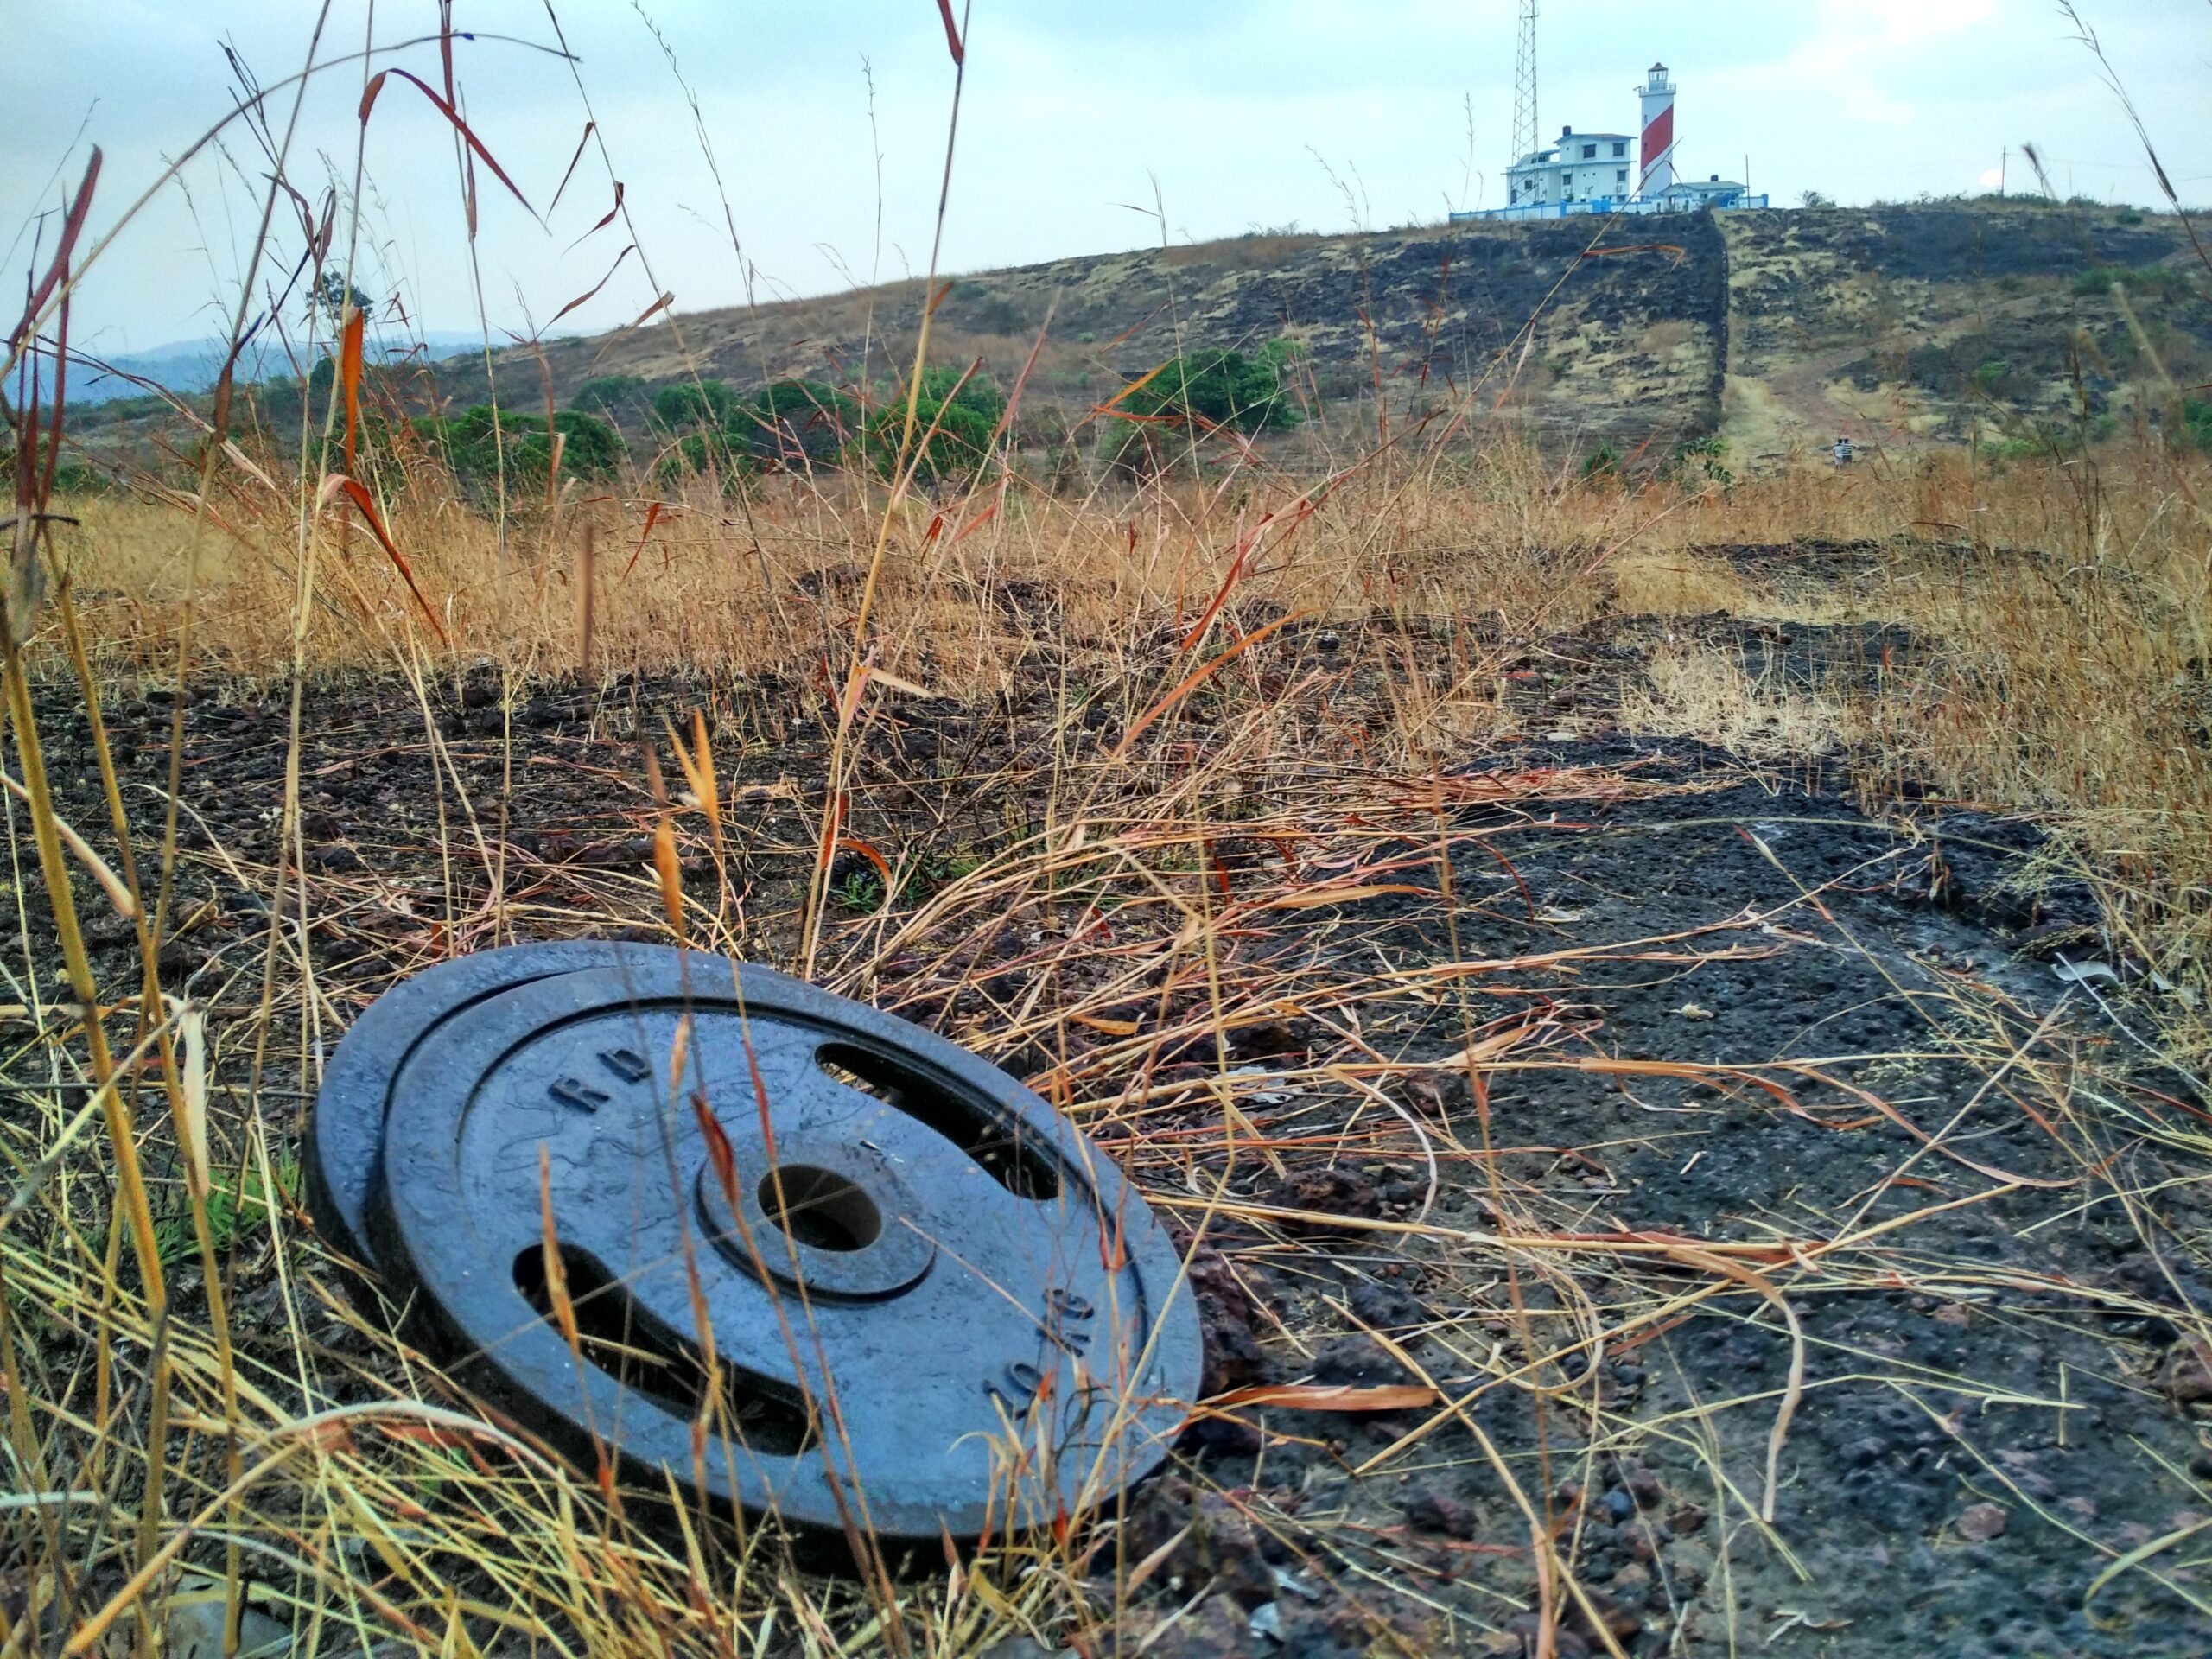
{"points": [[1814, 198], [330, 296]]}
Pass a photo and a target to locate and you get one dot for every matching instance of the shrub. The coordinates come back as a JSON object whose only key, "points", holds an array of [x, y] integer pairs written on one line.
{"points": [[691, 404], [1222, 389], [1604, 461], [2196, 421], [590, 448], [1206, 389], [610, 395], [978, 392], [794, 423], [956, 450], [1699, 465], [708, 455], [2145, 279]]}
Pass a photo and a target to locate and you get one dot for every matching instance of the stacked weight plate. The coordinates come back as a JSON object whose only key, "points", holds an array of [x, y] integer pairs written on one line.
{"points": [[933, 1307]]}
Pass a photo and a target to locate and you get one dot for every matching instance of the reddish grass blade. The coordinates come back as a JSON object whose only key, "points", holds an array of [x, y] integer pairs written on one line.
{"points": [[1134, 386], [589, 126], [1236, 569], [653, 518], [72, 227], [1022, 380], [359, 497], [611, 214], [1193, 680], [974, 524], [1308, 898], [349, 375], [593, 293], [854, 844], [660, 304], [951, 34], [459, 125], [719, 1151]]}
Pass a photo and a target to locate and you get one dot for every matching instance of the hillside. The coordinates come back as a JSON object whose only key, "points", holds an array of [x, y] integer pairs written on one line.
{"points": [[1927, 323]]}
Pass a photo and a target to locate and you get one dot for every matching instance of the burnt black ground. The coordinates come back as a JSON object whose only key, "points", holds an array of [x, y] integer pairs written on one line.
{"points": [[1935, 1373], [2022, 1349]]}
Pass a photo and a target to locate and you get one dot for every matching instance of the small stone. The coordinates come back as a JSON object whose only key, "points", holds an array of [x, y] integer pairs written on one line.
{"points": [[1983, 1523], [2188, 1373], [196, 1615], [1438, 1511]]}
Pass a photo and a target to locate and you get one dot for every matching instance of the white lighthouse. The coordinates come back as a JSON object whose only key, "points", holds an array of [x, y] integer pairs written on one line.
{"points": [[1658, 148]]}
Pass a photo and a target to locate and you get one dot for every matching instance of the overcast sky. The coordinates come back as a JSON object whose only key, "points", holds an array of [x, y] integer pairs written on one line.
{"points": [[1332, 114]]}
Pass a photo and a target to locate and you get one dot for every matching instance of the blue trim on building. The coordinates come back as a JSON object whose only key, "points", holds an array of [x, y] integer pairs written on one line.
{"points": [[1605, 207]]}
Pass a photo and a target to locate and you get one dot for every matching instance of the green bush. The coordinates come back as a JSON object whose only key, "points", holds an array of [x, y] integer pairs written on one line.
{"points": [[1604, 461], [795, 424], [2196, 421], [2145, 279], [610, 395], [956, 450], [1222, 389], [1699, 465], [977, 392], [1206, 389], [708, 455], [695, 403], [590, 448]]}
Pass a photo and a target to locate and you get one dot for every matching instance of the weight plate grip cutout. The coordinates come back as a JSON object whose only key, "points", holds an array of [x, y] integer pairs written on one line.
{"points": [[909, 1261]]}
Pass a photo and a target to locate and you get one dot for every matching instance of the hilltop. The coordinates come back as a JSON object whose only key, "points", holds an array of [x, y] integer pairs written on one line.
{"points": [[1933, 321]]}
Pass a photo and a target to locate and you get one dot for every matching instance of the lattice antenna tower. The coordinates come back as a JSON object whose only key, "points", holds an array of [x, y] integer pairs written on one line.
{"points": [[1524, 85]]}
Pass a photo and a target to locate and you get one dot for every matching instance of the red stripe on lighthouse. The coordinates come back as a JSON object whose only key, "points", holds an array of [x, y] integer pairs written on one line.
{"points": [[1658, 137]]}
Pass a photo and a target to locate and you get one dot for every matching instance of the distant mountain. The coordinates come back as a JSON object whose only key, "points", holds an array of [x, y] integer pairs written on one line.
{"points": [[191, 365]]}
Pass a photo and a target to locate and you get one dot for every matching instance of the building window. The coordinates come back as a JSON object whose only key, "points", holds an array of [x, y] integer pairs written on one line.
{"points": [[1620, 147], [1620, 175], [1589, 152]]}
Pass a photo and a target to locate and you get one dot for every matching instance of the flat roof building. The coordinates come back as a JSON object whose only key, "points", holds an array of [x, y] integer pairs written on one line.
{"points": [[1579, 166]]}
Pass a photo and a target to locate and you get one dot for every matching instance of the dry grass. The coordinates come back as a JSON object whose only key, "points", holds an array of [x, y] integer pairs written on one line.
{"points": [[2049, 679]]}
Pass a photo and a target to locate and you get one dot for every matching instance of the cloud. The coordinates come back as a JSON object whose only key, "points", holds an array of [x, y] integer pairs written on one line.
{"points": [[1069, 111]]}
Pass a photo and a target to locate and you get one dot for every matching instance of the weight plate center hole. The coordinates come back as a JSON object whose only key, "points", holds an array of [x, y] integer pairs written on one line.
{"points": [[820, 1208]]}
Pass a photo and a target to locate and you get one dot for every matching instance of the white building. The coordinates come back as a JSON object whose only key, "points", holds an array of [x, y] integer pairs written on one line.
{"points": [[1580, 167], [1615, 172]]}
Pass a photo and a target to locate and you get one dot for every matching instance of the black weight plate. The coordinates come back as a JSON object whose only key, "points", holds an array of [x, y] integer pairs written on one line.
{"points": [[344, 1132], [975, 1274]]}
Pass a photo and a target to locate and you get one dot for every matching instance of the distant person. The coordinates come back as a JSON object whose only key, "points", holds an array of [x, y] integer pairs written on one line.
{"points": [[1843, 452]]}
